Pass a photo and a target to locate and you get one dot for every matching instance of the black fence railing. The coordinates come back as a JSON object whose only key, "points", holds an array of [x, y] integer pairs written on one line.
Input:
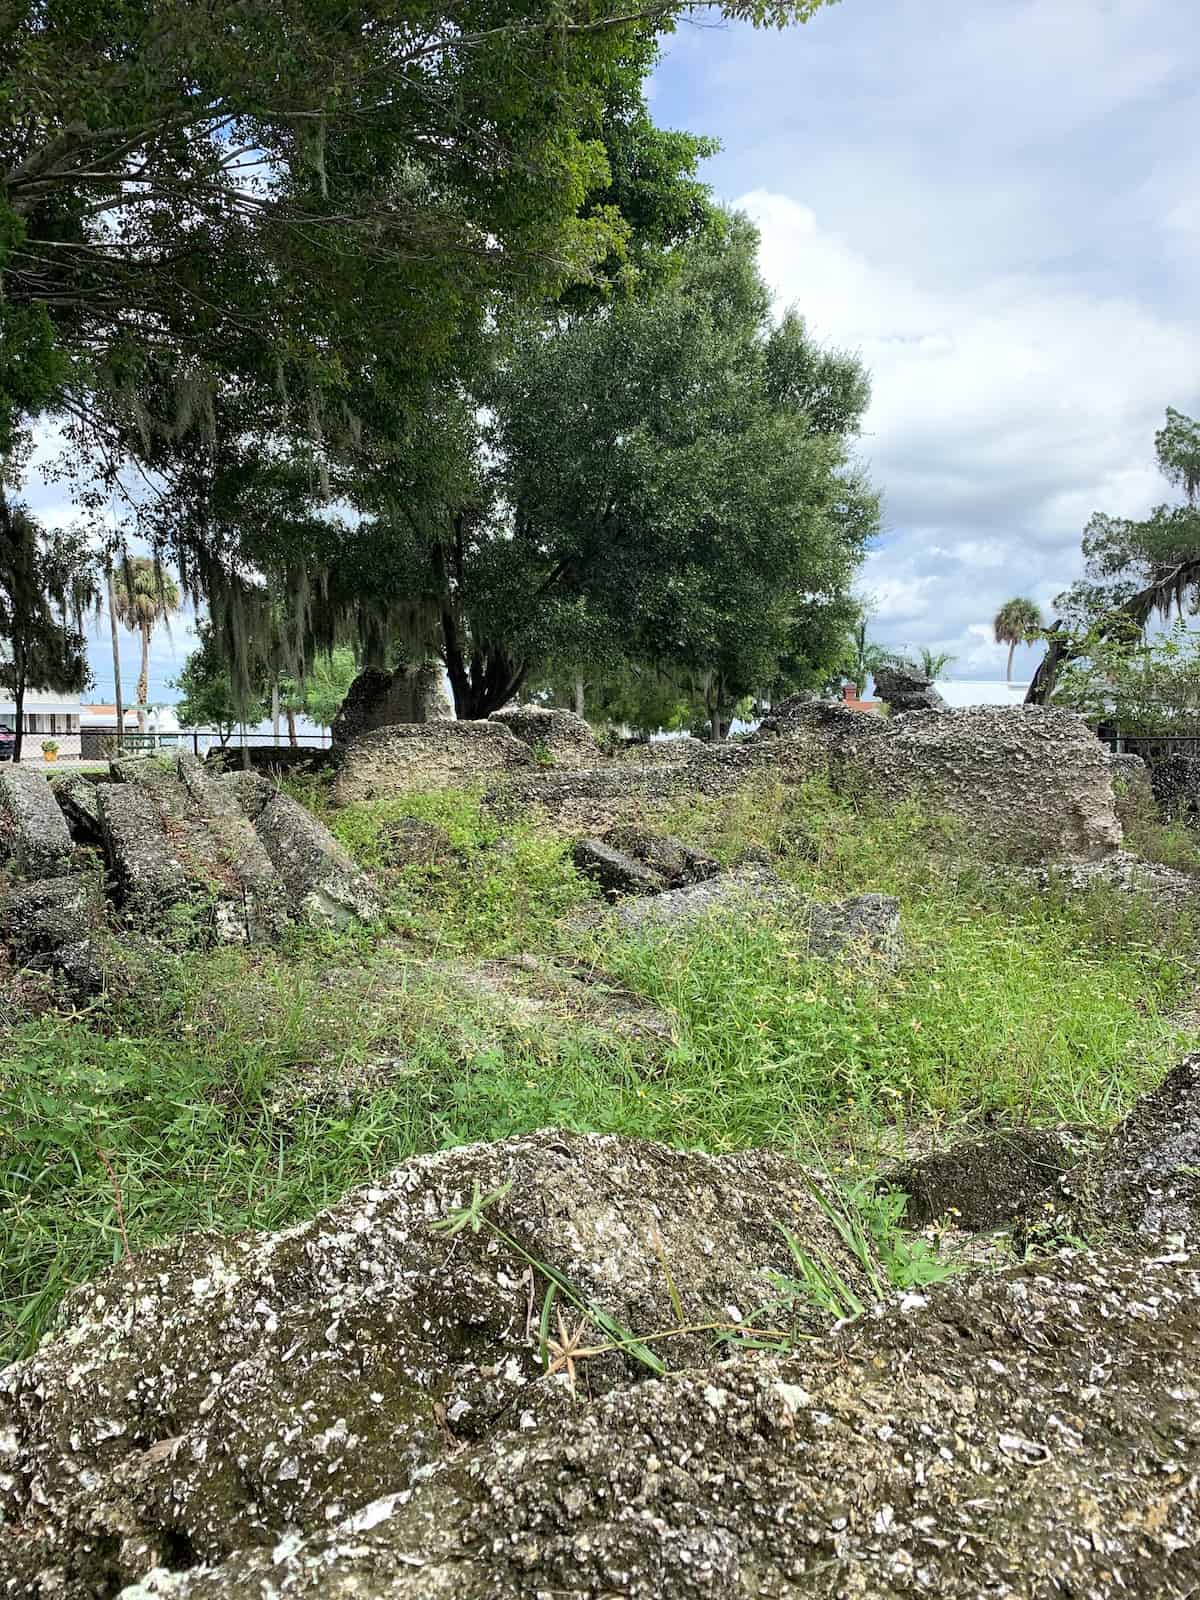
{"points": [[1152, 747], [101, 744]]}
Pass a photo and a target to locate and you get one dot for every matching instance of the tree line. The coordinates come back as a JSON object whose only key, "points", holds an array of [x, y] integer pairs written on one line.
{"points": [[406, 331]]}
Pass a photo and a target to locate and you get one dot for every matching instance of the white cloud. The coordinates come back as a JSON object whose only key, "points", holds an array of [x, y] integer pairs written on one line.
{"points": [[1004, 413]]}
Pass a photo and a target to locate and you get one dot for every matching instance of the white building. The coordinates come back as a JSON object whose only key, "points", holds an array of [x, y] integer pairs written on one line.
{"points": [[961, 693], [46, 714]]}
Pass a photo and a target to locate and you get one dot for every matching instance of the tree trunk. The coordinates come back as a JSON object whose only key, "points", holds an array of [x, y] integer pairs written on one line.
{"points": [[1012, 645], [275, 712], [291, 727], [115, 631], [19, 701], [579, 690], [144, 679], [719, 718]]}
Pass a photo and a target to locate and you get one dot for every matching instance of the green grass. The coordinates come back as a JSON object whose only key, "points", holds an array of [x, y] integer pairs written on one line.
{"points": [[233, 1090]]}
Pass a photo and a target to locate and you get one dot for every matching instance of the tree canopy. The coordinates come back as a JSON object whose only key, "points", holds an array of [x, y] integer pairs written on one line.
{"points": [[1134, 569]]}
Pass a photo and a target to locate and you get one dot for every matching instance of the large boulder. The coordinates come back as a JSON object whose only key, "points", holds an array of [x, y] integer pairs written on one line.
{"points": [[557, 738], [1145, 1178], [379, 699], [1026, 783], [907, 689], [212, 1398], [323, 886], [183, 852], [438, 755], [33, 831], [56, 925], [368, 1408]]}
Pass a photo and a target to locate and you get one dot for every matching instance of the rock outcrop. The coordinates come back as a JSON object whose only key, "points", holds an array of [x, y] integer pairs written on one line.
{"points": [[412, 757], [369, 1406], [1175, 782], [1029, 784], [907, 689], [984, 1183], [34, 836], [56, 925], [557, 738], [323, 886], [1145, 1178], [379, 699]]}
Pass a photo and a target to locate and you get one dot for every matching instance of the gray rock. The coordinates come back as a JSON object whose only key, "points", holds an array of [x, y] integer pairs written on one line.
{"points": [[251, 791], [80, 803], [1030, 783], [258, 1386], [323, 886], [150, 879], [1166, 888], [1132, 789], [226, 1419], [1145, 1179], [676, 863], [984, 1183], [413, 757], [865, 924], [33, 831], [907, 689], [56, 925], [559, 738], [381, 699], [1175, 784], [615, 872]]}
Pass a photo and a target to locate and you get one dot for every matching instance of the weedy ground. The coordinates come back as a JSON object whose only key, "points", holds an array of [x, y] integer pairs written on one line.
{"points": [[230, 1089]]}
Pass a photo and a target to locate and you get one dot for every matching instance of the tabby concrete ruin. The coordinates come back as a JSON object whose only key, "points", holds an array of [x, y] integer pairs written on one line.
{"points": [[163, 849], [372, 1405], [1025, 782]]}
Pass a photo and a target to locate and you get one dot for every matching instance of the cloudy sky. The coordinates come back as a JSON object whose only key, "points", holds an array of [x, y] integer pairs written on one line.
{"points": [[997, 204]]}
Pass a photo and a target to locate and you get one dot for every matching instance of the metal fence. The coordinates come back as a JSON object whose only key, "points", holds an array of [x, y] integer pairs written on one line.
{"points": [[1152, 747], [101, 744]]}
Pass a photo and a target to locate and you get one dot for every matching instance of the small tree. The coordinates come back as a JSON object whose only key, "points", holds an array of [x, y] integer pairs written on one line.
{"points": [[143, 595], [1144, 687], [935, 662], [1017, 622], [47, 583], [209, 698]]}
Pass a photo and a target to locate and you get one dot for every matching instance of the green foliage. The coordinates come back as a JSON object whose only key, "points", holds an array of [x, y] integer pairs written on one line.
{"points": [[47, 582], [208, 697], [1143, 686], [325, 685]]}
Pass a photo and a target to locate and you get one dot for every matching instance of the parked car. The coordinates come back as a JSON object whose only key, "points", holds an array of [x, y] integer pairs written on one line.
{"points": [[8, 741]]}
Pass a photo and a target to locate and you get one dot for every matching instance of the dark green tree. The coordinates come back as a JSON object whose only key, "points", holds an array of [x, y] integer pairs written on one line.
{"points": [[208, 696], [1134, 570], [48, 581]]}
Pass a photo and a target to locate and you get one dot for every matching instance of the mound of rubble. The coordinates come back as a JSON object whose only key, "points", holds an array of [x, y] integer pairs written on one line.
{"points": [[1023, 782], [389, 1402], [184, 856]]}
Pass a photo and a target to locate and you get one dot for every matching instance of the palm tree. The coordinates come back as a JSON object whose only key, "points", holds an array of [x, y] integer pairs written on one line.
{"points": [[935, 662], [143, 595], [1017, 622]]}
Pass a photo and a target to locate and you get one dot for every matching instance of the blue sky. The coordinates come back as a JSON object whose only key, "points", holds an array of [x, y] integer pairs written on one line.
{"points": [[996, 204]]}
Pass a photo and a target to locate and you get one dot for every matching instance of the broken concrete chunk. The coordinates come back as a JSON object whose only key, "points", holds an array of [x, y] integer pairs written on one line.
{"points": [[150, 878], [985, 1183], [675, 862], [322, 883], [425, 757], [613, 871], [1145, 1178], [33, 831], [558, 738]]}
